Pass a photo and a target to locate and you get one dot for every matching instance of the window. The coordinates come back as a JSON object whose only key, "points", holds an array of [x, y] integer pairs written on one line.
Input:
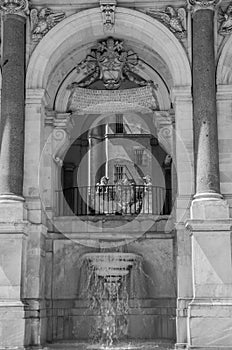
{"points": [[119, 172], [119, 123], [139, 156]]}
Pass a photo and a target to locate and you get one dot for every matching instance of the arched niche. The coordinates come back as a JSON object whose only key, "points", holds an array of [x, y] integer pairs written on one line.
{"points": [[54, 55], [86, 27]]}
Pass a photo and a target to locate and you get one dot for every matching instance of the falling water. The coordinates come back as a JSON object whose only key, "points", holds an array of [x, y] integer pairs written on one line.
{"points": [[107, 292]]}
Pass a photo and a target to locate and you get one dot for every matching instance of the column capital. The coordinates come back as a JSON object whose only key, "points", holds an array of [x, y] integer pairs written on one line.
{"points": [[196, 5], [14, 7]]}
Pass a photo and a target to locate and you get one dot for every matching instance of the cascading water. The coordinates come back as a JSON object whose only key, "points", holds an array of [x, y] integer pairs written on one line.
{"points": [[107, 291]]}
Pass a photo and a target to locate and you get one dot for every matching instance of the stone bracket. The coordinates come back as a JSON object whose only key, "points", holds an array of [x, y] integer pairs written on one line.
{"points": [[108, 13], [63, 124]]}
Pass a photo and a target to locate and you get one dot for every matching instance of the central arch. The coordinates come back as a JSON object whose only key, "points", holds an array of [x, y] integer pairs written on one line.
{"points": [[58, 53], [85, 27]]}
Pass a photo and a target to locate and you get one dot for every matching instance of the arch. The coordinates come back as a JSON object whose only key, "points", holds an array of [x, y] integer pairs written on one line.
{"points": [[86, 26], [224, 69]]}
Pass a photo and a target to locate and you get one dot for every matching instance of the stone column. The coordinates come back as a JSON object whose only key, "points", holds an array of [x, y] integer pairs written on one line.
{"points": [[204, 101], [12, 100], [209, 312], [13, 227], [207, 179]]}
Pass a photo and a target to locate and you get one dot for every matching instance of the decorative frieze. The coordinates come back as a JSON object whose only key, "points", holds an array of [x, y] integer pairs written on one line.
{"points": [[174, 19], [108, 13], [42, 21], [196, 5], [15, 7], [225, 20]]}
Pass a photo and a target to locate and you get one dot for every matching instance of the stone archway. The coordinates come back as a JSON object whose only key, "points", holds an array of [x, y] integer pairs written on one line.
{"points": [[86, 25], [83, 28]]}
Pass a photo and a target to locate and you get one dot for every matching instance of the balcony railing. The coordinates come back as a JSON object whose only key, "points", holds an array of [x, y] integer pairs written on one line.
{"points": [[114, 200]]}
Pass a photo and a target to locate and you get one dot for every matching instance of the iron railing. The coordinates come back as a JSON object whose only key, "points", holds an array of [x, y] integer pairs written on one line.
{"points": [[114, 200]]}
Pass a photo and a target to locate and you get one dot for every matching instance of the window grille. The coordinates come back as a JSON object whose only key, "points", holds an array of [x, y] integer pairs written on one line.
{"points": [[119, 172]]}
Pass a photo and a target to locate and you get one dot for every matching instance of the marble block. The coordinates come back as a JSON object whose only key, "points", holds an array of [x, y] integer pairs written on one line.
{"points": [[210, 325]]}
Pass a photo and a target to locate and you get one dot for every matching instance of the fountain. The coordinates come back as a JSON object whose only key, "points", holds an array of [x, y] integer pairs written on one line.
{"points": [[107, 290]]}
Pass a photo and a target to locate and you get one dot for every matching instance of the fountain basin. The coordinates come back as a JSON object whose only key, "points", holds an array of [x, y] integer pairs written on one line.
{"points": [[113, 265]]}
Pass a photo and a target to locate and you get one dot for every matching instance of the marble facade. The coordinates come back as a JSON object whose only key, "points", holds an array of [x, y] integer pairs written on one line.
{"points": [[185, 294]]}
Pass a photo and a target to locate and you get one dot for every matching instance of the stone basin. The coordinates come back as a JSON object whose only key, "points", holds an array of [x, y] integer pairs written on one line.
{"points": [[113, 265]]}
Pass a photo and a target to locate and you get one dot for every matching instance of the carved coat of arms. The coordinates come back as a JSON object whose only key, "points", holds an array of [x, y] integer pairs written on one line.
{"points": [[111, 63]]}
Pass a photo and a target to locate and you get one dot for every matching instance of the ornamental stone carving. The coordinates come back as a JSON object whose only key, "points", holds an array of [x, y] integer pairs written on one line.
{"points": [[108, 13], [225, 20], [174, 19], [109, 62], [196, 5], [42, 21], [15, 7], [61, 135]]}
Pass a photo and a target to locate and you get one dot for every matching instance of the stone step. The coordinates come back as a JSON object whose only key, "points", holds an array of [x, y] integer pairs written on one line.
{"points": [[151, 345]]}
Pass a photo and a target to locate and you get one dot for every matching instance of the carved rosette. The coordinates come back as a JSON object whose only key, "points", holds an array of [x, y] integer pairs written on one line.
{"points": [[197, 5], [14, 7]]}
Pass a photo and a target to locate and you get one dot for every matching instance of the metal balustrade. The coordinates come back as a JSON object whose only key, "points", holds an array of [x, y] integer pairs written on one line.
{"points": [[114, 200]]}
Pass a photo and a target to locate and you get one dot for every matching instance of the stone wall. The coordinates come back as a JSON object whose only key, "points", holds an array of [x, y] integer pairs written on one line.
{"points": [[151, 313]]}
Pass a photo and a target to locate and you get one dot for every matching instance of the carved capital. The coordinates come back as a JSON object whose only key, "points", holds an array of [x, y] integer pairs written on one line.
{"points": [[59, 120], [196, 5], [14, 7]]}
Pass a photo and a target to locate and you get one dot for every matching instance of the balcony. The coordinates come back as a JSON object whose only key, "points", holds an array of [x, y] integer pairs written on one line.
{"points": [[114, 200]]}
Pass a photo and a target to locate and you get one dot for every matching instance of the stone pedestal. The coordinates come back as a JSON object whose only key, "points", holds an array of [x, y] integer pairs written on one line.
{"points": [[34, 296], [12, 283], [12, 324], [184, 284], [210, 311]]}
